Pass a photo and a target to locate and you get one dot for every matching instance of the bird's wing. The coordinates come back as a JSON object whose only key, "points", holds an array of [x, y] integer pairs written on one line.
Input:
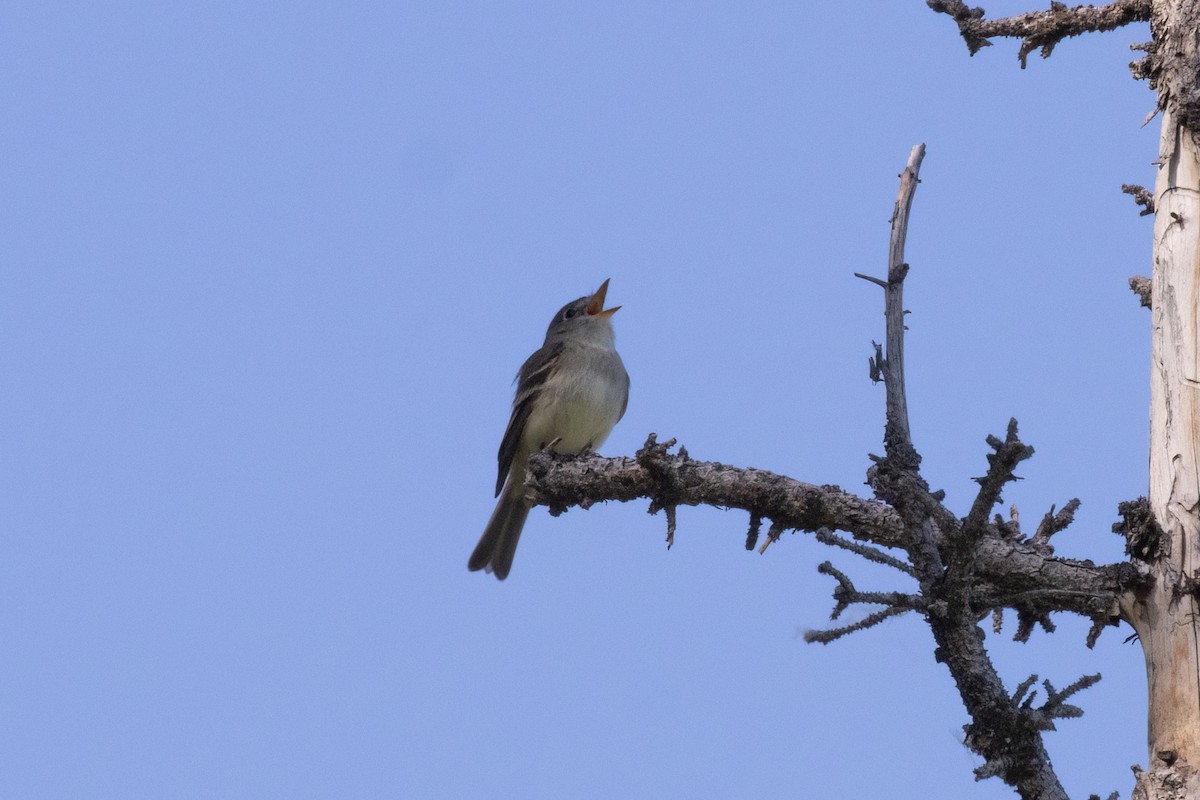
{"points": [[530, 381], [625, 401]]}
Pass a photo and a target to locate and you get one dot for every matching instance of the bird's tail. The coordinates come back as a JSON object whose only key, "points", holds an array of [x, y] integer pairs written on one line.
{"points": [[498, 544]]}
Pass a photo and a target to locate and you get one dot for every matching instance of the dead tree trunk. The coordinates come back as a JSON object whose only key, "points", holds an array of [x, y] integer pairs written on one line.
{"points": [[1165, 615]]}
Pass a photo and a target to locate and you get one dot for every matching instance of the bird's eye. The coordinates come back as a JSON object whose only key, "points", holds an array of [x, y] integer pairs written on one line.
{"points": [[570, 312]]}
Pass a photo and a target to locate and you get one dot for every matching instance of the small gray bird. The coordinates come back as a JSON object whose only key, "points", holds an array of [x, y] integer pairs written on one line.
{"points": [[570, 394]]}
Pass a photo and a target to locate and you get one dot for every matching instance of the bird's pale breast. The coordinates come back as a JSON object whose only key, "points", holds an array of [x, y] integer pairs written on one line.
{"points": [[580, 411]]}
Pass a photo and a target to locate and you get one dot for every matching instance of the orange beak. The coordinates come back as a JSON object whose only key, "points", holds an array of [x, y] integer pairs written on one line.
{"points": [[595, 306]]}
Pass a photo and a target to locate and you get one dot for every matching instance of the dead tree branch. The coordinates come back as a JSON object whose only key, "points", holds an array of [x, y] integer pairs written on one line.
{"points": [[1040, 30], [560, 482], [1005, 735], [1169, 64]]}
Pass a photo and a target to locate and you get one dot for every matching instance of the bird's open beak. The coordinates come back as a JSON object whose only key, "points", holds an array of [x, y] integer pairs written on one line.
{"points": [[595, 306]]}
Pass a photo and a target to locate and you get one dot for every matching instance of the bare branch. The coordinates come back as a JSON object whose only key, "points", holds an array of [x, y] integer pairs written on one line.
{"points": [[755, 527], [1019, 694], [1056, 706], [896, 478], [1001, 466], [875, 363], [897, 438], [773, 534], [826, 536], [1143, 68], [561, 481], [1099, 623], [1045, 599], [1027, 620], [870, 279], [1040, 30], [1054, 523], [870, 621], [846, 595], [1141, 195], [844, 591], [1008, 739]]}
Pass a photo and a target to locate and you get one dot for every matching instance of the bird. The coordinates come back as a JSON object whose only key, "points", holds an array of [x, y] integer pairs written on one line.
{"points": [[570, 393]]}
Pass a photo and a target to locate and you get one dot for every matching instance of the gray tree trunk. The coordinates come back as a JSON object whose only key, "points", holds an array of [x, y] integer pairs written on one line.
{"points": [[1167, 615]]}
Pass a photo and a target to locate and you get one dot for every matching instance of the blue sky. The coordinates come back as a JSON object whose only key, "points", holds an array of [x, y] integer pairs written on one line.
{"points": [[268, 272]]}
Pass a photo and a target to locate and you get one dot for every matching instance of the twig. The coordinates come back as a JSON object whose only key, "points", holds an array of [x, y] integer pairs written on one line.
{"points": [[1054, 523], [755, 527], [826, 536], [1056, 706], [845, 594], [773, 534], [871, 620], [1001, 465], [1141, 195]]}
